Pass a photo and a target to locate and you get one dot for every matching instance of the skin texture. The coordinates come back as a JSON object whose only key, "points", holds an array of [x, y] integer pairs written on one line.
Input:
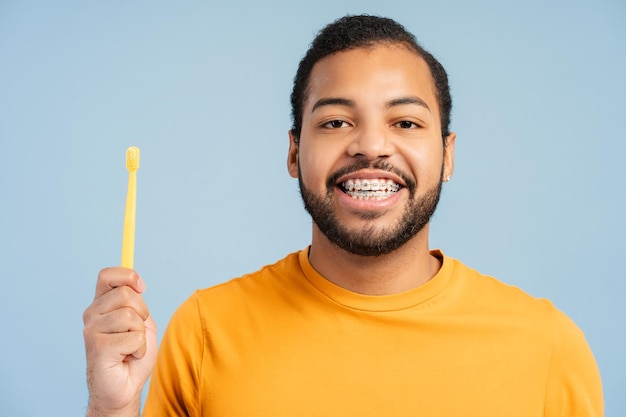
{"points": [[120, 343], [377, 105]]}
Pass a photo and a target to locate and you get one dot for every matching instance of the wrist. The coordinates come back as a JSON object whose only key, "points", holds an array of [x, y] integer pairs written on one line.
{"points": [[132, 410]]}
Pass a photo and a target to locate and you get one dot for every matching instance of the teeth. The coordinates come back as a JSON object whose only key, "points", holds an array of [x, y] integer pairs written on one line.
{"points": [[365, 189]]}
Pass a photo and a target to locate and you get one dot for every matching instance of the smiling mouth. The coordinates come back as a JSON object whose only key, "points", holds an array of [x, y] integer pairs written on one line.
{"points": [[370, 189]]}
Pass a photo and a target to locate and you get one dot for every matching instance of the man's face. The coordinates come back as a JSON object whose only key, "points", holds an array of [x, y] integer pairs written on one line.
{"points": [[370, 158]]}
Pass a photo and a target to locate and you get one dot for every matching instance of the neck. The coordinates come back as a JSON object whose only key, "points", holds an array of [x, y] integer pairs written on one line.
{"points": [[401, 270]]}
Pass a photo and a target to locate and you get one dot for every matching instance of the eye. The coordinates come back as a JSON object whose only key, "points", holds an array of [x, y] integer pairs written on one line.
{"points": [[335, 124], [405, 124]]}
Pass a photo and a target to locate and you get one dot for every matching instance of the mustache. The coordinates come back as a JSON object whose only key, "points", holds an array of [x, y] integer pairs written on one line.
{"points": [[377, 164]]}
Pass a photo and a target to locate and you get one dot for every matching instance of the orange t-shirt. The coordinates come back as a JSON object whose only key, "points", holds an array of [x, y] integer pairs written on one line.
{"points": [[284, 341]]}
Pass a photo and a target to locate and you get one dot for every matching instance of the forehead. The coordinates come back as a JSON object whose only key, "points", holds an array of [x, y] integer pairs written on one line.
{"points": [[376, 74]]}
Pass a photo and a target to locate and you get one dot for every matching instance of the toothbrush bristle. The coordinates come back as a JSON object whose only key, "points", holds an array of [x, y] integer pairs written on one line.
{"points": [[132, 158]]}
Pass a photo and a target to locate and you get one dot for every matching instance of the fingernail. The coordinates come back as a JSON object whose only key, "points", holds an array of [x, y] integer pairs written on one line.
{"points": [[141, 286]]}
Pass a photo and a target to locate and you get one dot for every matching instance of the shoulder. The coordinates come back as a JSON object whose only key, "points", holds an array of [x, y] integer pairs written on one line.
{"points": [[268, 276], [573, 386], [253, 291], [238, 298], [485, 296], [490, 291]]}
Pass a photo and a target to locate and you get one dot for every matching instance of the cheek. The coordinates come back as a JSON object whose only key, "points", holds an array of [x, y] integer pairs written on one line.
{"points": [[316, 165], [313, 168], [426, 165]]}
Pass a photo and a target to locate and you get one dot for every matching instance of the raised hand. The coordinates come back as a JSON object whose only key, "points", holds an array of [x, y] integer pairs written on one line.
{"points": [[120, 342]]}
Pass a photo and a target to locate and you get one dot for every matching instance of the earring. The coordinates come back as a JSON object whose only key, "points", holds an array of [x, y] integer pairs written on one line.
{"points": [[448, 178]]}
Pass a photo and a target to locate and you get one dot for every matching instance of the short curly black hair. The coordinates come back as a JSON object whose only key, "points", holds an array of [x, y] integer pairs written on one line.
{"points": [[362, 31]]}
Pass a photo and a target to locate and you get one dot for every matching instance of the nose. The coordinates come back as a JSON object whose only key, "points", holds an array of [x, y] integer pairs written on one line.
{"points": [[370, 142]]}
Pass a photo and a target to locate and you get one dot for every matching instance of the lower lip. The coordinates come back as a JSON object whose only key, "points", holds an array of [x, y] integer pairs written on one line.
{"points": [[369, 204]]}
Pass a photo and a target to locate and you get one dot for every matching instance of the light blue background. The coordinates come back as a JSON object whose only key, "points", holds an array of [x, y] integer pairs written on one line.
{"points": [[537, 199]]}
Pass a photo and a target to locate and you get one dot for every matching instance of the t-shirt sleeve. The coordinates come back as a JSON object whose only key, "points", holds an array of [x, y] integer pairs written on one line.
{"points": [[174, 385], [574, 386]]}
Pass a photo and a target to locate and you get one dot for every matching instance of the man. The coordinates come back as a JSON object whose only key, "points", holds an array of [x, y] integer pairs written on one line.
{"points": [[367, 321]]}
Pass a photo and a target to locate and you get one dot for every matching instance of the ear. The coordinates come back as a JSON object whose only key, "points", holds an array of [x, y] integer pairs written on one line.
{"points": [[292, 156], [448, 156]]}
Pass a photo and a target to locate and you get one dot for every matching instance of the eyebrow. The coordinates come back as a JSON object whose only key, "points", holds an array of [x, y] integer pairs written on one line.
{"points": [[332, 101], [407, 100], [338, 101]]}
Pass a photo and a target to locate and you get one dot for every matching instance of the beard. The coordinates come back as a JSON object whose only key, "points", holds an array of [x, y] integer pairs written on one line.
{"points": [[370, 240]]}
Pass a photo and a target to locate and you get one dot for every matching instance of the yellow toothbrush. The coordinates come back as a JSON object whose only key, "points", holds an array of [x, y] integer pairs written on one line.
{"points": [[128, 240]]}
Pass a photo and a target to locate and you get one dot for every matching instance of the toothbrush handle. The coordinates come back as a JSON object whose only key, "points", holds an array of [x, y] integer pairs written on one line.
{"points": [[128, 240]]}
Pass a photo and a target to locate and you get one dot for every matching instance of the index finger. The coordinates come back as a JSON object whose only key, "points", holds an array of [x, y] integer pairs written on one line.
{"points": [[113, 277]]}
